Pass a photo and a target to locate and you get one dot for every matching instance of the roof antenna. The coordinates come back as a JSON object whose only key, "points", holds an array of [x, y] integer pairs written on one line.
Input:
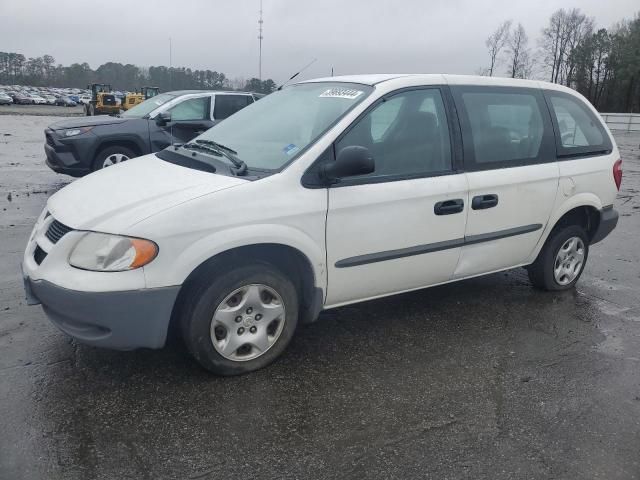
{"points": [[298, 73]]}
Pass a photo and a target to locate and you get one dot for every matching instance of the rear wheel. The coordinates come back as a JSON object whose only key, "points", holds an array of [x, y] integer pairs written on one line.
{"points": [[112, 156], [239, 321], [561, 260]]}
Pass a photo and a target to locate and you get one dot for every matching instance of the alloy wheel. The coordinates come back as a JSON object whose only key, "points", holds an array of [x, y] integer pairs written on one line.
{"points": [[248, 322], [569, 261], [113, 159]]}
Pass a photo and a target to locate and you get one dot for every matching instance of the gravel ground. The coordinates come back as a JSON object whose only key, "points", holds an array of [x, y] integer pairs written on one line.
{"points": [[486, 378]]}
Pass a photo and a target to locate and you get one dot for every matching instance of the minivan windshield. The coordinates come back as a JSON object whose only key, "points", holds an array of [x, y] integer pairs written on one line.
{"points": [[270, 133], [148, 106]]}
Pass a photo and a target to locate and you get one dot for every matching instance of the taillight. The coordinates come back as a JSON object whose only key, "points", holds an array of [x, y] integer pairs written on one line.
{"points": [[617, 173]]}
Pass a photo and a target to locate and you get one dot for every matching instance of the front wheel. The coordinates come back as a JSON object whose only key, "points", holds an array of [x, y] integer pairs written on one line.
{"points": [[112, 156], [561, 260], [241, 320]]}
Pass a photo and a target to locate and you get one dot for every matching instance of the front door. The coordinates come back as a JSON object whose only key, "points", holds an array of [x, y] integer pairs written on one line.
{"points": [[402, 226], [512, 174]]}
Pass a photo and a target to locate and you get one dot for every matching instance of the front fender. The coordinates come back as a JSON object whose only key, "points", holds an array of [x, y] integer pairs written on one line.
{"points": [[188, 259]]}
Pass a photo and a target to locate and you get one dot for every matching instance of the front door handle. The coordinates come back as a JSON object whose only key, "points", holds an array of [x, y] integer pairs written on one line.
{"points": [[449, 207], [482, 202]]}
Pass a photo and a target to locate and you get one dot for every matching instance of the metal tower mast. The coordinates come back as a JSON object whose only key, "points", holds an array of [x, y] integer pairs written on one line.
{"points": [[260, 37]]}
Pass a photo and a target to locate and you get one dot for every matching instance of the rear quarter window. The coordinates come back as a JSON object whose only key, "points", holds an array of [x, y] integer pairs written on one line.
{"points": [[579, 132]]}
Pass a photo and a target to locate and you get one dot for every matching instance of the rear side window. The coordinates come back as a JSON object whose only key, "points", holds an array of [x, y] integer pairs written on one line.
{"points": [[226, 105], [504, 127], [578, 130]]}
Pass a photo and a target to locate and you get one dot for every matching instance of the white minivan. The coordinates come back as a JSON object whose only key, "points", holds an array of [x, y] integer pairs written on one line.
{"points": [[325, 193]]}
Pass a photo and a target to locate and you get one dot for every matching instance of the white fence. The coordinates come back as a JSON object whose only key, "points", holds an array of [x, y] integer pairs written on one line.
{"points": [[627, 122]]}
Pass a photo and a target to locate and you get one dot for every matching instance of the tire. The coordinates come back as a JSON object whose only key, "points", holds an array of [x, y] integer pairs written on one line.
{"points": [[547, 272], [114, 154], [201, 322]]}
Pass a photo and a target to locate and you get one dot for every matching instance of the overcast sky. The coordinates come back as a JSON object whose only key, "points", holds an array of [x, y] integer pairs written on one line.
{"points": [[352, 36]]}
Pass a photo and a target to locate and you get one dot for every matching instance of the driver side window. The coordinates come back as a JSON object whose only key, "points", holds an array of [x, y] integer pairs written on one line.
{"points": [[407, 135], [191, 109]]}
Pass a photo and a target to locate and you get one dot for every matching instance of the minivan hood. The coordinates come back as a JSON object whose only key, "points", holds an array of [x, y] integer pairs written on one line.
{"points": [[78, 122], [115, 198]]}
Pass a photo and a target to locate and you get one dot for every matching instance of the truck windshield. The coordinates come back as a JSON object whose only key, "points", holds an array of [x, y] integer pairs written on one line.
{"points": [[270, 133], [148, 106]]}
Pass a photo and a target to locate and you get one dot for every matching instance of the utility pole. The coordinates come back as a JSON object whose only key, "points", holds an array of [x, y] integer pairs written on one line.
{"points": [[260, 37], [170, 63]]}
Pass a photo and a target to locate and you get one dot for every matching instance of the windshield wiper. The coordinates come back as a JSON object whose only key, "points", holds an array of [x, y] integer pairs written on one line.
{"points": [[202, 148], [219, 146], [229, 153]]}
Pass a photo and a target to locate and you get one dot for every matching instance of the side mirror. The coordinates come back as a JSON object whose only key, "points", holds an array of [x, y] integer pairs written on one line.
{"points": [[163, 118], [351, 161]]}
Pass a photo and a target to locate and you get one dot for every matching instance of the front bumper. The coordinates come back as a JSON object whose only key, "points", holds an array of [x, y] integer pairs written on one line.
{"points": [[67, 157], [608, 221], [123, 320]]}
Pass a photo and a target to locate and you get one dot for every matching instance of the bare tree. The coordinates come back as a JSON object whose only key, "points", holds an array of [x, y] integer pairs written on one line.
{"points": [[580, 28], [566, 30], [495, 43], [518, 51]]}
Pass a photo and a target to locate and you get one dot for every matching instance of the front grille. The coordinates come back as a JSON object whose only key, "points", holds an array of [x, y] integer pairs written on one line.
{"points": [[56, 231], [39, 255], [49, 139]]}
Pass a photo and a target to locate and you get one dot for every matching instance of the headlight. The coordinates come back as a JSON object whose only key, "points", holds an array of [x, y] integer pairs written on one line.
{"points": [[102, 252], [72, 132]]}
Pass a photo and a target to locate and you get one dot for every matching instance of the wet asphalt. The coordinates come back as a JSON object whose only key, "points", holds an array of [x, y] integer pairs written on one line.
{"points": [[486, 378]]}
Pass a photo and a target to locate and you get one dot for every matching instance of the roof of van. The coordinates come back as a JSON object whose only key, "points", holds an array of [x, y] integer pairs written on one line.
{"points": [[431, 78], [178, 93]]}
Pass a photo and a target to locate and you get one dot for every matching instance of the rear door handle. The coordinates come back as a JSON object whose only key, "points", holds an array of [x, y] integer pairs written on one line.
{"points": [[482, 202], [449, 207]]}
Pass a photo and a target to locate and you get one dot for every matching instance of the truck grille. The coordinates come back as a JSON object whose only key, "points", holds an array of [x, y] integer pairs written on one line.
{"points": [[56, 231]]}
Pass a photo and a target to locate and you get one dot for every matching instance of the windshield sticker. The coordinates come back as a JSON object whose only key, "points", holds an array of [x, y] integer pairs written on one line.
{"points": [[337, 92], [290, 149]]}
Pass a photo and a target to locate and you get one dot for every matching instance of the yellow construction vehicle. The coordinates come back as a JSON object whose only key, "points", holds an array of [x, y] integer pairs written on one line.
{"points": [[103, 101], [133, 99]]}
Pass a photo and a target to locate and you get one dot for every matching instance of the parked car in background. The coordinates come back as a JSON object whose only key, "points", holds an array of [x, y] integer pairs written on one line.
{"points": [[77, 146], [84, 99], [50, 99], [65, 102], [22, 99], [326, 193], [37, 99], [75, 98], [5, 99]]}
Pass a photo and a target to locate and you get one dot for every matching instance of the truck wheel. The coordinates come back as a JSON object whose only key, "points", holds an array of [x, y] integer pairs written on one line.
{"points": [[112, 156], [241, 320], [561, 260]]}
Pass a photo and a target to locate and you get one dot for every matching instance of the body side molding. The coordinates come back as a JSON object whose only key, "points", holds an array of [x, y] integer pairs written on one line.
{"points": [[435, 247]]}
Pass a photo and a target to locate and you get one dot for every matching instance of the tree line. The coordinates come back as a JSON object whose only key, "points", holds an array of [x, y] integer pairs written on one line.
{"points": [[602, 64], [43, 71]]}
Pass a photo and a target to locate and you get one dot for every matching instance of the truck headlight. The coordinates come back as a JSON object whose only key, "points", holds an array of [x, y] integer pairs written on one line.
{"points": [[102, 252], [72, 132]]}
